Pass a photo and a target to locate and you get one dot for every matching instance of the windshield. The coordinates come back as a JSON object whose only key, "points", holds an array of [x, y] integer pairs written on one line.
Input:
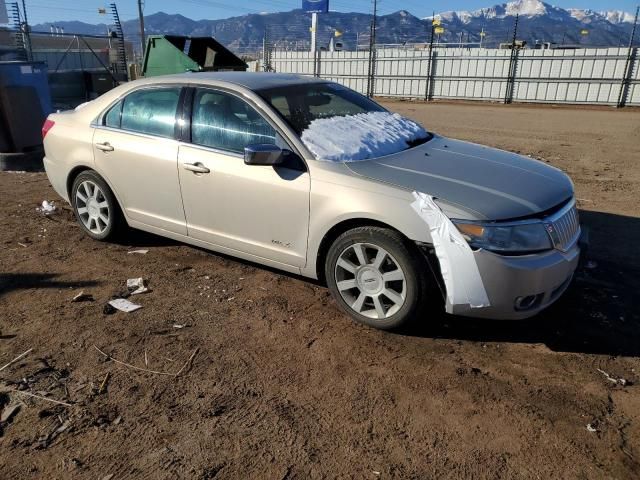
{"points": [[300, 105]]}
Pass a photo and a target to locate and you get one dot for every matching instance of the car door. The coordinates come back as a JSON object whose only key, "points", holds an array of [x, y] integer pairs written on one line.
{"points": [[136, 150], [261, 211]]}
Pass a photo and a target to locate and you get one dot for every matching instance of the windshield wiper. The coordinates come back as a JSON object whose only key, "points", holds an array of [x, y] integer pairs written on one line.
{"points": [[419, 141]]}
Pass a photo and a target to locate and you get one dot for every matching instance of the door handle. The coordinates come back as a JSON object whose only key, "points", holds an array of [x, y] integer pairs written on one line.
{"points": [[195, 167], [105, 147]]}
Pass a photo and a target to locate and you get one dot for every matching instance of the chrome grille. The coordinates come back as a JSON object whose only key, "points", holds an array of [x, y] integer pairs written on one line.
{"points": [[564, 227]]}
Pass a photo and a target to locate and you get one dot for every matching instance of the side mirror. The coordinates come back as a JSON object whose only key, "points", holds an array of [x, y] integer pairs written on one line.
{"points": [[263, 154]]}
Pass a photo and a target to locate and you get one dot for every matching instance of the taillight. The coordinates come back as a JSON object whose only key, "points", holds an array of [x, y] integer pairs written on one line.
{"points": [[48, 125]]}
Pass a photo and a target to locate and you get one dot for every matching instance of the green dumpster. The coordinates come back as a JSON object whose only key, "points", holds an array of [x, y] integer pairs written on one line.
{"points": [[167, 54]]}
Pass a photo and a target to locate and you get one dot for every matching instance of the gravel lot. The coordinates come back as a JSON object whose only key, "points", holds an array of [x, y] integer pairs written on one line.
{"points": [[281, 385]]}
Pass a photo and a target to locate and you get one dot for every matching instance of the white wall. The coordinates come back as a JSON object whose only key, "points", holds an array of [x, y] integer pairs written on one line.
{"points": [[592, 76]]}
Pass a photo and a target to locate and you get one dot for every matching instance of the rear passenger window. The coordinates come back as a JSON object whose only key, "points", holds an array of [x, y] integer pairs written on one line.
{"points": [[112, 118], [151, 111], [225, 122]]}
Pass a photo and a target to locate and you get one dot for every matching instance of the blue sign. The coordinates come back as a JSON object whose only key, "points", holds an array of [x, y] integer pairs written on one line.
{"points": [[315, 6]]}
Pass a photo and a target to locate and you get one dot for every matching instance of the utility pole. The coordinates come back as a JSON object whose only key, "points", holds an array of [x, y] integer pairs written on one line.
{"points": [[482, 32], [143, 44], [314, 29], [372, 53]]}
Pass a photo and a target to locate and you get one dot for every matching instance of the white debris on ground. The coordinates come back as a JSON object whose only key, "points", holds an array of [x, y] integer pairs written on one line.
{"points": [[360, 137], [139, 252], [124, 305], [82, 297], [616, 381], [136, 286], [47, 208]]}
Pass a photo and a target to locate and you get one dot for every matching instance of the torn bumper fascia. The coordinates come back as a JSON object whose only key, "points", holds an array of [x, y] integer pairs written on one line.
{"points": [[483, 284], [460, 274]]}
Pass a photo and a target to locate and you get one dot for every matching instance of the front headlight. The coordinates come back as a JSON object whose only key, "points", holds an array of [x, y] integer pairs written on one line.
{"points": [[514, 238]]}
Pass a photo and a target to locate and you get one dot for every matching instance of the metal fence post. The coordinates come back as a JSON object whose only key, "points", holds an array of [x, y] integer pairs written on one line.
{"points": [[427, 89], [19, 37], [317, 60], [513, 70], [432, 74], [373, 57], [632, 58], [266, 50], [27, 33], [121, 49], [513, 61], [628, 66], [372, 53]]}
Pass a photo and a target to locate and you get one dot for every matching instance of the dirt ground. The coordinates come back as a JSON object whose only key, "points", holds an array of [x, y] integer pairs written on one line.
{"points": [[283, 386]]}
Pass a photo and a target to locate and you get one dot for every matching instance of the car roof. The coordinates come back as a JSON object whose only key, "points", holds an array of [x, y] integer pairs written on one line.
{"points": [[250, 80]]}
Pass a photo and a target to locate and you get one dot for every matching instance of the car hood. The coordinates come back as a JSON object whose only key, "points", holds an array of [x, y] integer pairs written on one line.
{"points": [[491, 183]]}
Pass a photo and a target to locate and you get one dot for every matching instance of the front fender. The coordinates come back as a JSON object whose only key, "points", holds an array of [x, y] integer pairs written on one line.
{"points": [[332, 204]]}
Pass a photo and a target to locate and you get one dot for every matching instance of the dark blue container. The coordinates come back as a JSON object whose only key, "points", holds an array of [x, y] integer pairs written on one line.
{"points": [[28, 74]]}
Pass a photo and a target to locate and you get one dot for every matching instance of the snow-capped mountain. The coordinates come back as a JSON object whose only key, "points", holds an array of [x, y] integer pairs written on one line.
{"points": [[618, 16], [615, 17], [536, 8], [538, 21], [541, 21]]}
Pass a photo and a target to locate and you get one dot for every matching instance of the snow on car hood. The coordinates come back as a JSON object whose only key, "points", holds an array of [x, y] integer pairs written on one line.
{"points": [[360, 137]]}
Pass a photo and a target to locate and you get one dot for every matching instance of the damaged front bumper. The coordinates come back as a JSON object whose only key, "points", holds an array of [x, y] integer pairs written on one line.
{"points": [[519, 287]]}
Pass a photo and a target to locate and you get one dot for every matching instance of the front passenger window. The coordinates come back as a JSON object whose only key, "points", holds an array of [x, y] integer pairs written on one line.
{"points": [[226, 122], [151, 111]]}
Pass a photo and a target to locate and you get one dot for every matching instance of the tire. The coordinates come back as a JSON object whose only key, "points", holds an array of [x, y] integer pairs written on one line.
{"points": [[383, 292], [95, 206]]}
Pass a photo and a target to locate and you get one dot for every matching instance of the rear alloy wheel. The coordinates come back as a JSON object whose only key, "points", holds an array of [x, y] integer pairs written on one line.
{"points": [[95, 206], [376, 276]]}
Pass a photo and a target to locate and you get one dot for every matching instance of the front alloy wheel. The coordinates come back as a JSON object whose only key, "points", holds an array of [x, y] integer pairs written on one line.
{"points": [[370, 280], [377, 276]]}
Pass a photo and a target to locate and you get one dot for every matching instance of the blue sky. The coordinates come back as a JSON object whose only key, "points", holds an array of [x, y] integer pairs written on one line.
{"points": [[41, 11]]}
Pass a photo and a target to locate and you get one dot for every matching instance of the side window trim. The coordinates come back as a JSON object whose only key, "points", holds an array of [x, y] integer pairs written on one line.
{"points": [[120, 113], [180, 122], [185, 109]]}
